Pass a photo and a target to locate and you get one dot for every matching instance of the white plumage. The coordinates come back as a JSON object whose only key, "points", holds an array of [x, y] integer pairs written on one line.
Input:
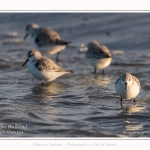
{"points": [[43, 68]]}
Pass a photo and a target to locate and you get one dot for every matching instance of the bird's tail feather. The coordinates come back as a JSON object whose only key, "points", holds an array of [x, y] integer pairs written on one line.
{"points": [[69, 71]]}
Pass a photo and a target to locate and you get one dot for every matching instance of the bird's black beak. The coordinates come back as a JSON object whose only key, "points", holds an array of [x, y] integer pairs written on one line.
{"points": [[125, 85], [25, 62], [25, 36]]}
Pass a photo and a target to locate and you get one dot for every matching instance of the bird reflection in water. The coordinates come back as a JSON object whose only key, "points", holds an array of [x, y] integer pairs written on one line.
{"points": [[48, 90], [132, 126], [95, 79], [133, 109]]}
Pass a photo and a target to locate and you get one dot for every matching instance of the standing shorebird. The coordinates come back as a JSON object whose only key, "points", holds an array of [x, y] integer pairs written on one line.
{"points": [[46, 40], [98, 56], [127, 86], [43, 68]]}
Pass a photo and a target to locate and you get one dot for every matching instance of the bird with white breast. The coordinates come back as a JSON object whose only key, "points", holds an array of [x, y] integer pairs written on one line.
{"points": [[128, 87], [98, 56], [43, 68], [46, 40]]}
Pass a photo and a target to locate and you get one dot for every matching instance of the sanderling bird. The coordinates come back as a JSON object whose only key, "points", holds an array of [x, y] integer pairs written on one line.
{"points": [[98, 56], [127, 86], [43, 68], [45, 39]]}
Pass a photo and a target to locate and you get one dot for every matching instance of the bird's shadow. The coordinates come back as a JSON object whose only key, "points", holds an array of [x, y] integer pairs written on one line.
{"points": [[132, 109]]}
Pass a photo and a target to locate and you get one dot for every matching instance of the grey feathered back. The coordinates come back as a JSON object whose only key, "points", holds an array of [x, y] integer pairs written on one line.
{"points": [[97, 50], [46, 36], [45, 64]]}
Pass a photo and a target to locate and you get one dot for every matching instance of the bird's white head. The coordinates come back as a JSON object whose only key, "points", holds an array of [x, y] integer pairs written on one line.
{"points": [[30, 29], [92, 44], [32, 55], [126, 79]]}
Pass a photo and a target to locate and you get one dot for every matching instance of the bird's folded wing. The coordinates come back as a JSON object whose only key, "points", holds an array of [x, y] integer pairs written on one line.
{"points": [[137, 81], [98, 51], [118, 79], [46, 36], [46, 64]]}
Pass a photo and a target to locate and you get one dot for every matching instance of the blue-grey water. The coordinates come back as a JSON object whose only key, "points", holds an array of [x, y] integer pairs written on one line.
{"points": [[78, 104]]}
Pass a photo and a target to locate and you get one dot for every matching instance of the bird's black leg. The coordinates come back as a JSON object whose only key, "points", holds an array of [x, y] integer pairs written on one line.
{"points": [[57, 56], [42, 82], [94, 70], [134, 101], [121, 102], [102, 71]]}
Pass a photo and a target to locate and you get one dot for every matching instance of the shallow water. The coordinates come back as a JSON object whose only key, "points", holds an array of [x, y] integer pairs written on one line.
{"points": [[78, 104]]}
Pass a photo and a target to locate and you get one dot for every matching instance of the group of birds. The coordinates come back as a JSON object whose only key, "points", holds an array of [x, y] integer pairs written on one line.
{"points": [[48, 41]]}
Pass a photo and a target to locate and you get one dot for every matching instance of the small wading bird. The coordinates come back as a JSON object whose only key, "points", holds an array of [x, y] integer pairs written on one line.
{"points": [[46, 40], [128, 87], [43, 68], [98, 56]]}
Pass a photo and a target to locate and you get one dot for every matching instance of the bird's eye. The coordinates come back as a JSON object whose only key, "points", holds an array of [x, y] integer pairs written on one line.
{"points": [[30, 55], [37, 40], [129, 79]]}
